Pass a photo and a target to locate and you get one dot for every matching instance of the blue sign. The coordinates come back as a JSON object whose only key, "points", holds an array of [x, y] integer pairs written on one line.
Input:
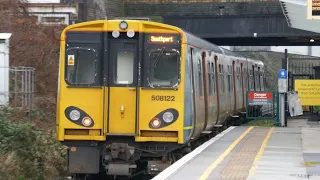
{"points": [[282, 74]]}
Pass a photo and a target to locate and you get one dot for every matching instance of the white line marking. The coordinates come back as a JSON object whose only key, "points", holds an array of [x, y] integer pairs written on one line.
{"points": [[175, 167]]}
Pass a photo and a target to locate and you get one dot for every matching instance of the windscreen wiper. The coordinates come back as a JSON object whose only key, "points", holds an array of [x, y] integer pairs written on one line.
{"points": [[158, 57]]}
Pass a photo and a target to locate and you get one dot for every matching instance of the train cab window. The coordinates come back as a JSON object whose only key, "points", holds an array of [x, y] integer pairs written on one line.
{"points": [[125, 66], [164, 68], [81, 66]]}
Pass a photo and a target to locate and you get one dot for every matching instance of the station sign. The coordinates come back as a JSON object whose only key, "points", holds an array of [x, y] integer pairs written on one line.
{"points": [[313, 9], [282, 81], [260, 98]]}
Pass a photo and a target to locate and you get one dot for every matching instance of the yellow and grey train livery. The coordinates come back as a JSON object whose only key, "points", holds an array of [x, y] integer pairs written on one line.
{"points": [[134, 94]]}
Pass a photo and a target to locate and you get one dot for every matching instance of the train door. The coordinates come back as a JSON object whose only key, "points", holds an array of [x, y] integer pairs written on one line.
{"points": [[217, 77], [122, 87], [205, 85], [234, 85]]}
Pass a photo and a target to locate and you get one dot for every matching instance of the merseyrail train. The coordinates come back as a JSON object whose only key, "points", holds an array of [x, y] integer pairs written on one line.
{"points": [[134, 95]]}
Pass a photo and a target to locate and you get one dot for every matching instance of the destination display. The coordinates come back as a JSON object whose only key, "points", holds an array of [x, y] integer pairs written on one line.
{"points": [[163, 39]]}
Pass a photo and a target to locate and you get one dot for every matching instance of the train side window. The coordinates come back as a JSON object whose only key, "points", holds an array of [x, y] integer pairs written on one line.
{"points": [[81, 66], [209, 77], [236, 78], [256, 73], [240, 79], [229, 78], [213, 78], [221, 77], [200, 77], [250, 80], [261, 81], [243, 78]]}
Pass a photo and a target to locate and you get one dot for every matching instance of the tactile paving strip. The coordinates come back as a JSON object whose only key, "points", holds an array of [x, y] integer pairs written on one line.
{"points": [[239, 166]]}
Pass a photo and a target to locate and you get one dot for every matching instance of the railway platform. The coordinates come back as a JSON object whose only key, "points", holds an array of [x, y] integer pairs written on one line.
{"points": [[249, 153]]}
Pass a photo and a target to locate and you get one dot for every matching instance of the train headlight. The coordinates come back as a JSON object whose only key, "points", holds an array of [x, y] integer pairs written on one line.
{"points": [[74, 115], [168, 117], [86, 121], [123, 25], [156, 122]]}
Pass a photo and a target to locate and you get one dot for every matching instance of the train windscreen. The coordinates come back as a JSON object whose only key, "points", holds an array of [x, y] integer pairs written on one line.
{"points": [[163, 60]]}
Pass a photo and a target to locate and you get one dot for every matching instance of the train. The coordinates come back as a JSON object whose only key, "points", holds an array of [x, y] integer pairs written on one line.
{"points": [[134, 95]]}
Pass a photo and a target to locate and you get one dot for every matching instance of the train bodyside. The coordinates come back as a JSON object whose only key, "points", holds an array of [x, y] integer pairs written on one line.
{"points": [[216, 83]]}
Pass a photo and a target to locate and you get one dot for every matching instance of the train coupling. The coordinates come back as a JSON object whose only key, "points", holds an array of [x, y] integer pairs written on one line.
{"points": [[121, 151], [155, 167], [120, 169]]}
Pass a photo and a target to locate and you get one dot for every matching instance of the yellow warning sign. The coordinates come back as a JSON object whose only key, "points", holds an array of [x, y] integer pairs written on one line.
{"points": [[70, 60], [308, 91]]}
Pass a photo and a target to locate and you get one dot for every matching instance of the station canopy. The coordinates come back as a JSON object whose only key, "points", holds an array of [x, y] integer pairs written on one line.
{"points": [[300, 16]]}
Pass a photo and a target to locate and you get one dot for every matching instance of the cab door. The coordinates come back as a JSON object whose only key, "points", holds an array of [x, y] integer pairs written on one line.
{"points": [[122, 78]]}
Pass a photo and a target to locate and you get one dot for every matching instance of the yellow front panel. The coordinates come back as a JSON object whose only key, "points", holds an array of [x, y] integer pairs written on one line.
{"points": [[122, 110], [149, 108], [87, 99], [117, 115]]}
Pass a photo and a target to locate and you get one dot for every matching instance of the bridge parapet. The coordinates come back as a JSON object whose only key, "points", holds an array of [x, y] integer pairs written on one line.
{"points": [[201, 7]]}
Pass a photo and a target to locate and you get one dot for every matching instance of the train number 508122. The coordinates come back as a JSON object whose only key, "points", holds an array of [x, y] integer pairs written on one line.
{"points": [[162, 98]]}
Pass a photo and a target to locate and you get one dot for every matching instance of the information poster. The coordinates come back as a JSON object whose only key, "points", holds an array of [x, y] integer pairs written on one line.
{"points": [[308, 92]]}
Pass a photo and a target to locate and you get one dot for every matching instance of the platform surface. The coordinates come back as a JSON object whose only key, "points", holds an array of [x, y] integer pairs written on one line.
{"points": [[252, 153]]}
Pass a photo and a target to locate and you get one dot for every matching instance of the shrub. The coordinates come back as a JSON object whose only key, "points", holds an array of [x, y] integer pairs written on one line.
{"points": [[29, 153]]}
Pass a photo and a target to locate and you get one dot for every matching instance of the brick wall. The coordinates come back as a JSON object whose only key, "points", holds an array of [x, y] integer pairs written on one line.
{"points": [[115, 8], [99, 9], [200, 7], [95, 9]]}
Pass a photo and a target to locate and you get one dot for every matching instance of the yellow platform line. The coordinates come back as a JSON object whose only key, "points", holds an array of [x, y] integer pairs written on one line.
{"points": [[208, 171], [260, 152]]}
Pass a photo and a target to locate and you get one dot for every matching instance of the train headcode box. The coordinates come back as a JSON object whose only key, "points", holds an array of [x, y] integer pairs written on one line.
{"points": [[313, 9], [260, 98]]}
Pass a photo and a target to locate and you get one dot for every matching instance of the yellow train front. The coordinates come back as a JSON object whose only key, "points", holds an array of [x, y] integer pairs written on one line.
{"points": [[121, 96]]}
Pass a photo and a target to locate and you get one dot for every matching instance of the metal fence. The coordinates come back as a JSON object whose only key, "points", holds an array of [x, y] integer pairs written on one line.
{"points": [[263, 105], [20, 91]]}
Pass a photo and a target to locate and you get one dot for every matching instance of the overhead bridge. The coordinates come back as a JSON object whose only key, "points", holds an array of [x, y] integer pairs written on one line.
{"points": [[256, 23]]}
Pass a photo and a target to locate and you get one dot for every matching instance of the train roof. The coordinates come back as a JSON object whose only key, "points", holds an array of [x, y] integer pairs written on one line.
{"points": [[215, 48], [201, 42]]}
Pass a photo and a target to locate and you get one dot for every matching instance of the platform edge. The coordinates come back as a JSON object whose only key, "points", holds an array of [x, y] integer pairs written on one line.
{"points": [[184, 160]]}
